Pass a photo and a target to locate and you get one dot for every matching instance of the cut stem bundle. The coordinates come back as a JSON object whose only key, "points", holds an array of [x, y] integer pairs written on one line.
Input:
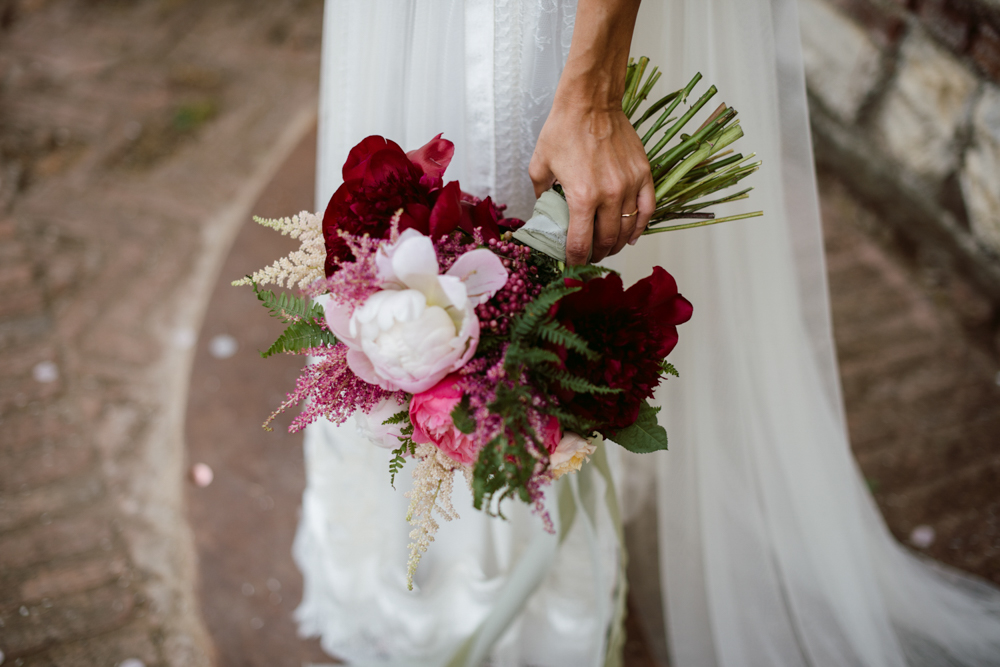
{"points": [[698, 165]]}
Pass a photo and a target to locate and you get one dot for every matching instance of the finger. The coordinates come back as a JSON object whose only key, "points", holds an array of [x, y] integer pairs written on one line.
{"points": [[607, 228], [646, 202], [541, 176], [627, 222], [580, 236]]}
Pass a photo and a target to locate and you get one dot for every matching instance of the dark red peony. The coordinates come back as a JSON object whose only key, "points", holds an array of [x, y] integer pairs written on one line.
{"points": [[380, 179], [633, 330]]}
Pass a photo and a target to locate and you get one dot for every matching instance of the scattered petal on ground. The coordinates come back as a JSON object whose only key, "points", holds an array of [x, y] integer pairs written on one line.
{"points": [[223, 346]]}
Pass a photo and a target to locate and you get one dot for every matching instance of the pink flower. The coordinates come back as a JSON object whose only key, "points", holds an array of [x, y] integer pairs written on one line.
{"points": [[550, 433], [570, 454], [430, 413]]}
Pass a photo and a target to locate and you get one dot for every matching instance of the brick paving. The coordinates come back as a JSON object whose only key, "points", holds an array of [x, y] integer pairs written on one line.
{"points": [[125, 158], [109, 243], [920, 370]]}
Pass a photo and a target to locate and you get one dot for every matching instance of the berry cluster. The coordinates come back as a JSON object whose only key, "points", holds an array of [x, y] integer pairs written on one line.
{"points": [[521, 289]]}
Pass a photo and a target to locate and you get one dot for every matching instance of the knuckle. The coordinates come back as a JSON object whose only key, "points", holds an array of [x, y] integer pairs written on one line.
{"points": [[577, 249], [536, 172], [605, 242]]}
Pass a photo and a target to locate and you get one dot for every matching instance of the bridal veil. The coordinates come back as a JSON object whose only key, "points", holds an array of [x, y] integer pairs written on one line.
{"points": [[771, 552]]}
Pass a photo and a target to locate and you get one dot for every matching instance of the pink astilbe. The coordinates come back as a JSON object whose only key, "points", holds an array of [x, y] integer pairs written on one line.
{"points": [[329, 389]]}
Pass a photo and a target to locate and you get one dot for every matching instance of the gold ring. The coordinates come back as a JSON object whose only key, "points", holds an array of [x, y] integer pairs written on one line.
{"points": [[629, 215]]}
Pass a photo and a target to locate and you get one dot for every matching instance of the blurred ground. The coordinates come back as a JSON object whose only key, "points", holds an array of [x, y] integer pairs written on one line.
{"points": [[134, 135], [920, 375], [128, 132]]}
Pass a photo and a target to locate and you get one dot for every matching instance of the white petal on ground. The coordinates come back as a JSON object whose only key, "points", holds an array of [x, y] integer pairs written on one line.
{"points": [[922, 537], [223, 346], [202, 475], [45, 371]]}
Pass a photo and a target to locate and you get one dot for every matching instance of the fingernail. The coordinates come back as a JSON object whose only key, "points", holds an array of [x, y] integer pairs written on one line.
{"points": [[633, 241]]}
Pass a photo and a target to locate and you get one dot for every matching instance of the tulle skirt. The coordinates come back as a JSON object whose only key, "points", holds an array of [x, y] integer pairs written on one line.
{"points": [[770, 550]]}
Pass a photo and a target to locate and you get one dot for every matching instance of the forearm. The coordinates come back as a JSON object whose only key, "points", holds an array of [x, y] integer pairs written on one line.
{"points": [[594, 75], [587, 142]]}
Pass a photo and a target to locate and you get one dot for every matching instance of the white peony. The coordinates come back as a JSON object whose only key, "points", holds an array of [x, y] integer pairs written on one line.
{"points": [[422, 325]]}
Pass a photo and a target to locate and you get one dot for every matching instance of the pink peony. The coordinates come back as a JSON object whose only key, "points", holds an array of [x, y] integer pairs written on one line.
{"points": [[430, 413]]}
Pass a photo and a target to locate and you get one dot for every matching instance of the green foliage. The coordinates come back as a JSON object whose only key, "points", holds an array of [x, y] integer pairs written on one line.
{"points": [[189, 117], [688, 164], [396, 463], [287, 308], [667, 368], [507, 463], [559, 335], [645, 435], [299, 336], [401, 417], [406, 445], [462, 417]]}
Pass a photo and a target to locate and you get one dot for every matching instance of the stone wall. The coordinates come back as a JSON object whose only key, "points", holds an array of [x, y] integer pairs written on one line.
{"points": [[905, 107]]}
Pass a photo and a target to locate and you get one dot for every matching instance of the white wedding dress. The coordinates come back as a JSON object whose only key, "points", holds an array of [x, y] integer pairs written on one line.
{"points": [[771, 552]]}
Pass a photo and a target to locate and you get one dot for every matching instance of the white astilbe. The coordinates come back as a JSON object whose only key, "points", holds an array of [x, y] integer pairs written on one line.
{"points": [[301, 267], [432, 485]]}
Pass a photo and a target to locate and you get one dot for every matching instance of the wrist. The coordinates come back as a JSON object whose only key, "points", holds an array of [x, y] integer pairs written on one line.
{"points": [[591, 88]]}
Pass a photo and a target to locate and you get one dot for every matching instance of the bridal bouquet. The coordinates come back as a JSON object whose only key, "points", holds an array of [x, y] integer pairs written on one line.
{"points": [[458, 339]]}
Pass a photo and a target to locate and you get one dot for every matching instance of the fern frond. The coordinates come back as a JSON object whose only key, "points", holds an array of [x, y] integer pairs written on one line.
{"points": [[403, 416], [579, 385], [667, 368], [557, 334], [288, 308], [299, 336], [531, 357], [535, 312]]}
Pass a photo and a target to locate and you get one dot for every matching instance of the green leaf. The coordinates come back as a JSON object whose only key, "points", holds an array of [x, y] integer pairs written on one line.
{"points": [[301, 335], [645, 435], [462, 417], [287, 308]]}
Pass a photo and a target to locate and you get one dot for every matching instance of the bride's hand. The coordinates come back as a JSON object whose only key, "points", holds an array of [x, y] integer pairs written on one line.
{"points": [[587, 143], [599, 160]]}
